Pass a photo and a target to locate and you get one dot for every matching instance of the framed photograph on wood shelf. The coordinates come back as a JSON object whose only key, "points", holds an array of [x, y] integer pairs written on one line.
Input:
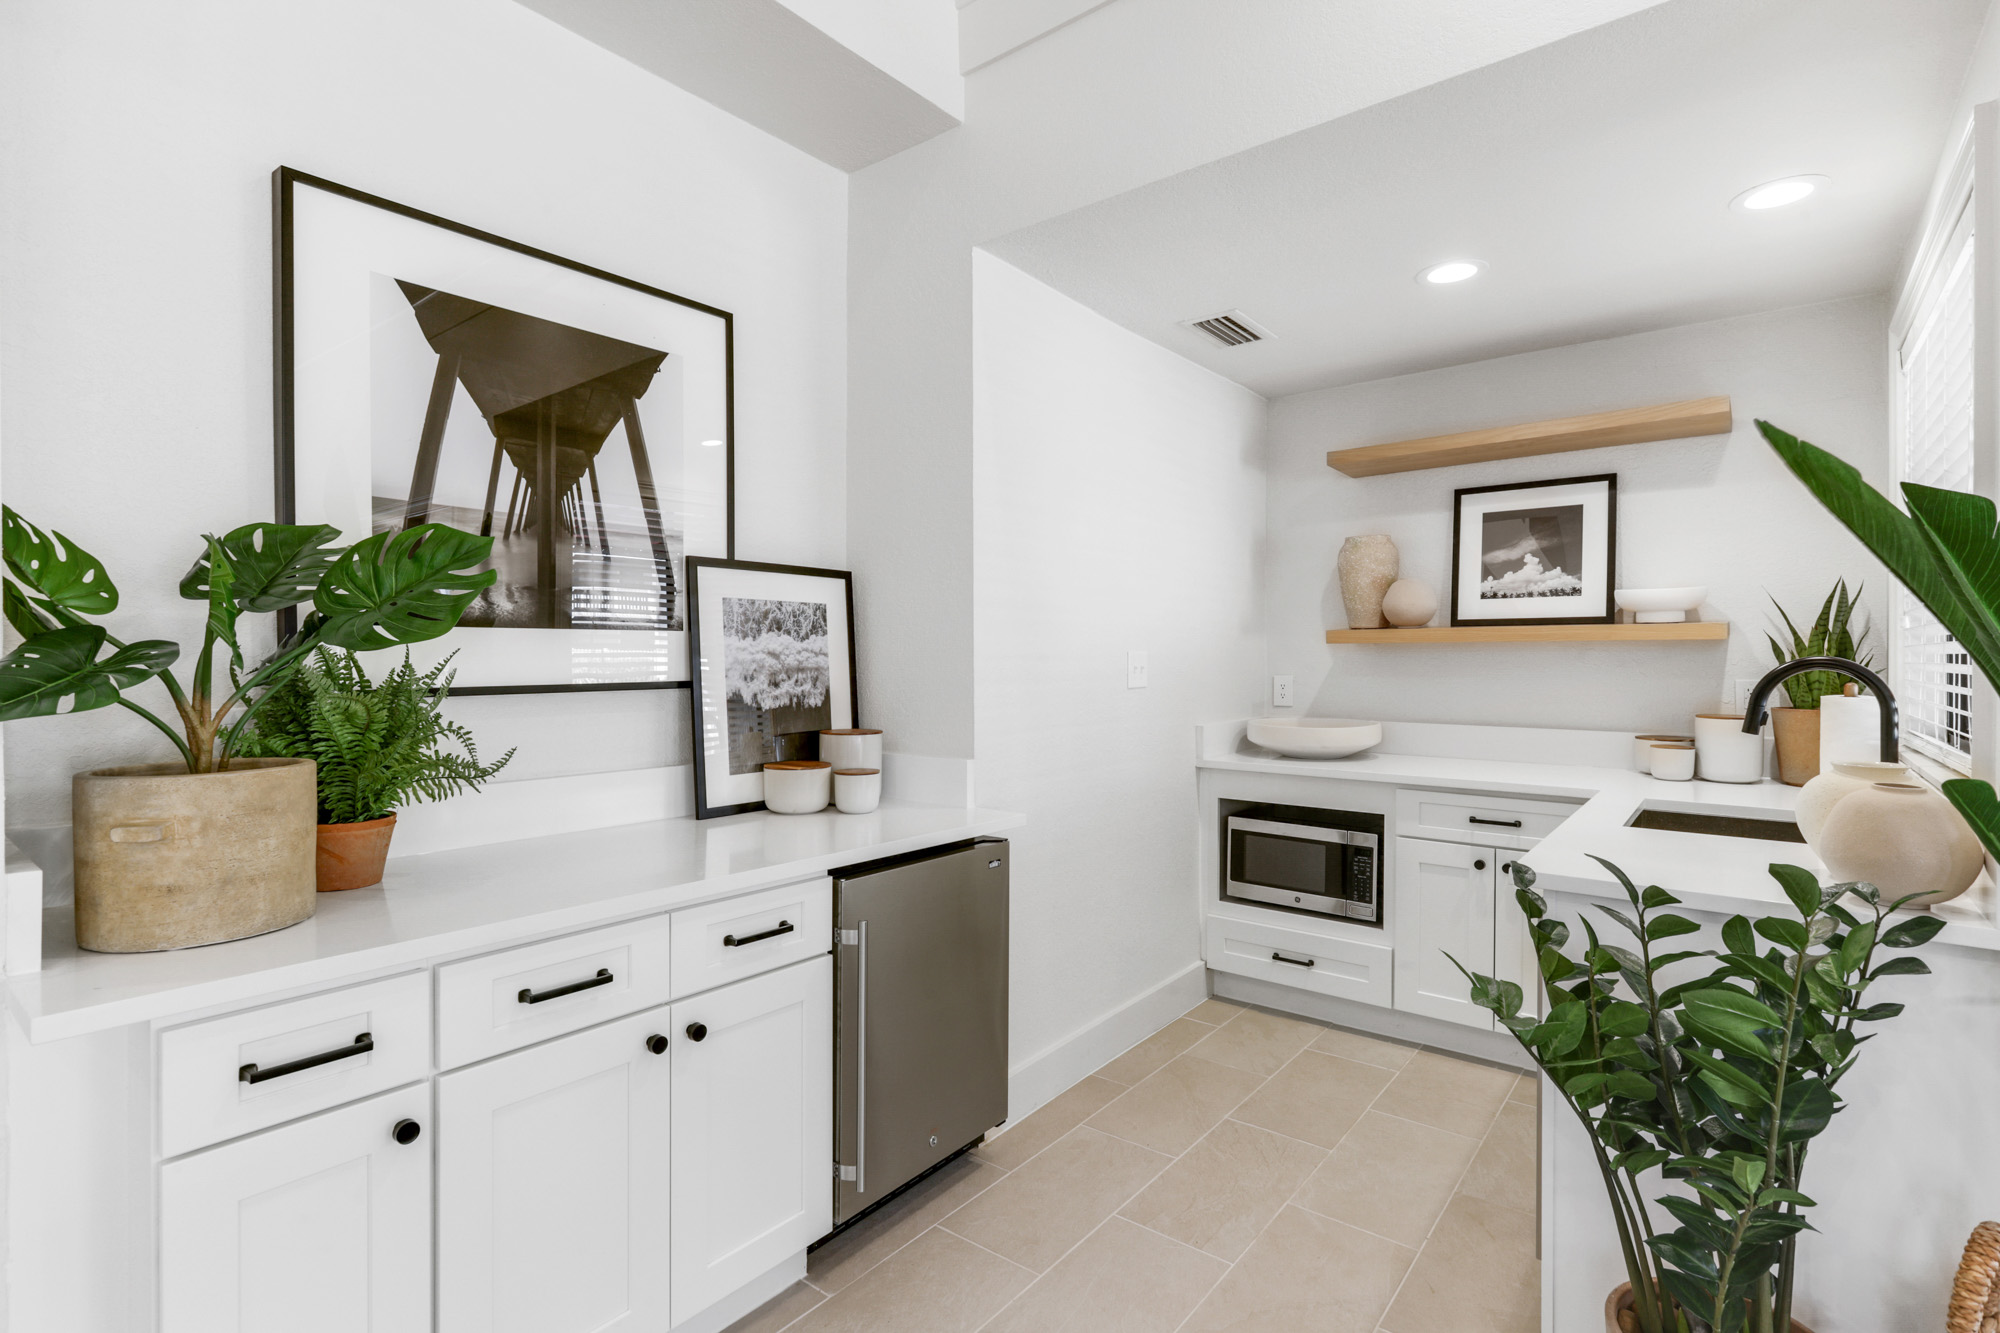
{"points": [[773, 658], [431, 372], [1543, 553]]}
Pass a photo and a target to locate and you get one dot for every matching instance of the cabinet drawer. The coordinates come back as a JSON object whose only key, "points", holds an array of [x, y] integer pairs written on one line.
{"points": [[1351, 969], [511, 999], [1517, 822], [304, 1055], [740, 937]]}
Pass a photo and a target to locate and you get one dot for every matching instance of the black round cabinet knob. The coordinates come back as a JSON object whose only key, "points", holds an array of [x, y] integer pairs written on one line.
{"points": [[406, 1132], [696, 1031], [656, 1044], [1507, 868], [1479, 865]]}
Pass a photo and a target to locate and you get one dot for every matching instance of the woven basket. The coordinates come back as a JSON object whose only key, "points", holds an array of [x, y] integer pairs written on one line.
{"points": [[1975, 1294]]}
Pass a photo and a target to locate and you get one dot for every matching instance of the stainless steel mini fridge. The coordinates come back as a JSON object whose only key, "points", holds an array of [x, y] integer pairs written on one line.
{"points": [[920, 1015]]}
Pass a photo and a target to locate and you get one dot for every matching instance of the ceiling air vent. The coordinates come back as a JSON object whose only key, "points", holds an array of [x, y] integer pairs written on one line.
{"points": [[1231, 328]]}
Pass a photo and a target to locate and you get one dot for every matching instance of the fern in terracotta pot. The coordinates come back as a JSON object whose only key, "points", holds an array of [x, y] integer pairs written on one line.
{"points": [[378, 745]]}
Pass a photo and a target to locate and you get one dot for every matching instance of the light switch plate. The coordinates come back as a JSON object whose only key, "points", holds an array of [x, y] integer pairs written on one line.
{"points": [[1281, 691], [1135, 671]]}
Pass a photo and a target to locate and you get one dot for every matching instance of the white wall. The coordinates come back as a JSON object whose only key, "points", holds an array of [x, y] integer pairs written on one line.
{"points": [[914, 40], [1118, 506], [1719, 511], [135, 319]]}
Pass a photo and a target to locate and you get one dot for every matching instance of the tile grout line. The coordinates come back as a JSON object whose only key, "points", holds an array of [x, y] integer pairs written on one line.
{"points": [[1004, 1173]]}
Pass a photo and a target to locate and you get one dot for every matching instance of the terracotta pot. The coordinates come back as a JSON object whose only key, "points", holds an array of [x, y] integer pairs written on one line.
{"points": [[351, 856], [1797, 730], [168, 859], [1903, 838], [1620, 1302], [1368, 565]]}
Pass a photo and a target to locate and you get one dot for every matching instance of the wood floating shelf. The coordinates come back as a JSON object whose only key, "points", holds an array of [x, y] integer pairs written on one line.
{"points": [[1599, 430], [1687, 631]]}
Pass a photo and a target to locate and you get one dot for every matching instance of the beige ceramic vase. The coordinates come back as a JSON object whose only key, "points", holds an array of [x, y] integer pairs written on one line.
{"points": [[1903, 838], [167, 859], [1819, 796], [1409, 603], [1368, 565]]}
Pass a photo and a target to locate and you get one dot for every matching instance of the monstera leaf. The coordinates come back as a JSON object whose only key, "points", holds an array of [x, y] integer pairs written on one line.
{"points": [[276, 565], [52, 568], [403, 587], [22, 613], [63, 664]]}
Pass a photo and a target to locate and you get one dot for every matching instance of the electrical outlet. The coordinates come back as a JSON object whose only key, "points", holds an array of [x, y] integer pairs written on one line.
{"points": [[1135, 671], [1743, 689], [1281, 691]]}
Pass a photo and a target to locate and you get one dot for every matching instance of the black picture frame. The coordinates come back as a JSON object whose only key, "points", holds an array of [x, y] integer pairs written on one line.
{"points": [[285, 182], [1608, 614], [706, 694]]}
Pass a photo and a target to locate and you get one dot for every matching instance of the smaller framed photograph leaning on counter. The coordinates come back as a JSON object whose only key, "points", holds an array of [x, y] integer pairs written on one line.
{"points": [[1541, 553], [772, 651]]}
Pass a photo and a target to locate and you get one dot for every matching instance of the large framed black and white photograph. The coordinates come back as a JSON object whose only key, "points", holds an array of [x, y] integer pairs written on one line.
{"points": [[429, 372], [773, 660], [1540, 553]]}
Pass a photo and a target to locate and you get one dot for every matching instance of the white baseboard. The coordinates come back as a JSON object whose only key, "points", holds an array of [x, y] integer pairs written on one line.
{"points": [[927, 779], [1063, 1064], [1497, 1047], [746, 1298]]}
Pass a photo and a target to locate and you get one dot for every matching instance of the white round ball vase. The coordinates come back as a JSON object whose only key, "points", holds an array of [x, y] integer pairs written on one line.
{"points": [[1368, 565], [1409, 603], [1903, 838], [1818, 797]]}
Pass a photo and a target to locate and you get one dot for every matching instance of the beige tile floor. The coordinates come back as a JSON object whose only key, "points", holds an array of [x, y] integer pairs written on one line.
{"points": [[1238, 1170]]}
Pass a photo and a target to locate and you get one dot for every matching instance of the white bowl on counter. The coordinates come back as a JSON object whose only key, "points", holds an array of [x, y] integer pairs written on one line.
{"points": [[1315, 737], [1660, 605]]}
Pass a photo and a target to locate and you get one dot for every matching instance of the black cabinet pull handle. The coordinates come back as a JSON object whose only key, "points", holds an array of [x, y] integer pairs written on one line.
{"points": [[364, 1042], [696, 1031], [1496, 823], [656, 1044], [1295, 962], [603, 978], [406, 1132], [782, 928]]}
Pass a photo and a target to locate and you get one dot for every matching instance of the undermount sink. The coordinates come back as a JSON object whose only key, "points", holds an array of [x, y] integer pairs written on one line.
{"points": [[1758, 828], [1315, 737]]}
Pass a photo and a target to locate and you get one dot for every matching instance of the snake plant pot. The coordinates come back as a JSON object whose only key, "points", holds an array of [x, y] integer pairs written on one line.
{"points": [[351, 856], [1618, 1316], [1797, 730], [168, 859]]}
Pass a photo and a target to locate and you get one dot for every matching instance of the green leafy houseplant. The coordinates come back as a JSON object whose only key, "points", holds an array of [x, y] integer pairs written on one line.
{"points": [[1720, 1081], [378, 744], [1833, 635], [385, 590]]}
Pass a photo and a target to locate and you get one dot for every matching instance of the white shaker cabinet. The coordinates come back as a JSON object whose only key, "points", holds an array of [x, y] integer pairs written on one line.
{"points": [[553, 1185], [320, 1226], [1444, 905], [752, 1137]]}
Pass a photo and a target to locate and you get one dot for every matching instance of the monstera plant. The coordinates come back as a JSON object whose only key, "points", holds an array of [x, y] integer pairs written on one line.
{"points": [[385, 590]]}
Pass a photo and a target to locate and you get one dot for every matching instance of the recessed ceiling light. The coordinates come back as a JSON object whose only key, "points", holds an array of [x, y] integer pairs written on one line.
{"points": [[1450, 271], [711, 444], [1777, 193]]}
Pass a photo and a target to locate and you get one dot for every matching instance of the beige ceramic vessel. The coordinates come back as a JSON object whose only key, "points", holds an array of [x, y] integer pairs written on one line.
{"points": [[166, 859], [1409, 603], [1903, 838], [1368, 565], [1818, 797]]}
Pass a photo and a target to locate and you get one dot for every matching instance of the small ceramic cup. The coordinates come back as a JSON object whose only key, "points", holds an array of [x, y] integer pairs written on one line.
{"points": [[1642, 749], [1675, 763], [857, 791], [851, 747], [798, 786]]}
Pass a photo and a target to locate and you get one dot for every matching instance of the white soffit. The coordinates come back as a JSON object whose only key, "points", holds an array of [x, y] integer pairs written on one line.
{"points": [[764, 62], [1592, 176], [989, 29]]}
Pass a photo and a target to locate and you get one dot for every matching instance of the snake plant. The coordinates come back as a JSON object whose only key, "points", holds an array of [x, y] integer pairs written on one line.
{"points": [[1833, 635]]}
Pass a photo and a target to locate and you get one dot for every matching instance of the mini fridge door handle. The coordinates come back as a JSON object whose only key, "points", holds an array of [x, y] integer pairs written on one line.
{"points": [[861, 1064]]}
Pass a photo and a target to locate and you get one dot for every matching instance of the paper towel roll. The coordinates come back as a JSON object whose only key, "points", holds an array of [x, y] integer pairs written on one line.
{"points": [[1850, 729]]}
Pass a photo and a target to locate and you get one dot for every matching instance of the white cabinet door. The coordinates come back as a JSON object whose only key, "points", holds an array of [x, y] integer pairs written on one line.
{"points": [[553, 1185], [1513, 943], [321, 1226], [753, 1129], [1444, 905]]}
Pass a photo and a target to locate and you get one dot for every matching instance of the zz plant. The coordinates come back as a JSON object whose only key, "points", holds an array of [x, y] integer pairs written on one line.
{"points": [[1720, 1081], [385, 590], [377, 744]]}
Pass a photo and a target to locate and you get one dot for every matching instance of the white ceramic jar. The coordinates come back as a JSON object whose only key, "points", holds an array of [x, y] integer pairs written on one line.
{"points": [[798, 786], [851, 747], [1818, 797], [1724, 752], [1903, 838], [1675, 763], [857, 791], [1642, 749]]}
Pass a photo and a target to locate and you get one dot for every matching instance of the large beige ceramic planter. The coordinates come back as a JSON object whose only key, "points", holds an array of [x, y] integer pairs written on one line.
{"points": [[166, 859], [1621, 1303]]}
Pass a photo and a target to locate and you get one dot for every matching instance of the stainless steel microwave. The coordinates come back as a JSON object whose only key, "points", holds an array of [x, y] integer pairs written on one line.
{"points": [[1324, 861]]}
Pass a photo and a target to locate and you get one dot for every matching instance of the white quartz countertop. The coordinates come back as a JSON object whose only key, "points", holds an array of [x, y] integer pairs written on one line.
{"points": [[1707, 872], [470, 900]]}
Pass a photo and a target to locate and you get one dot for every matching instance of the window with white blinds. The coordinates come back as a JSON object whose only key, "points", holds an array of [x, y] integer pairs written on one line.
{"points": [[1933, 675]]}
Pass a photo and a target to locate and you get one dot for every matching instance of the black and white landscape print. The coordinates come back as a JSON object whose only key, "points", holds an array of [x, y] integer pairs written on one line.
{"points": [[1532, 553], [778, 678]]}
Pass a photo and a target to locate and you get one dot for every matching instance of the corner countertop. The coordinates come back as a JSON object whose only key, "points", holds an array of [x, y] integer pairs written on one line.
{"points": [[472, 899], [1708, 873]]}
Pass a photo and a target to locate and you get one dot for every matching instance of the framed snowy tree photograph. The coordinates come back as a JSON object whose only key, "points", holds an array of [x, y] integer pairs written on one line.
{"points": [[772, 652], [1543, 553]]}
